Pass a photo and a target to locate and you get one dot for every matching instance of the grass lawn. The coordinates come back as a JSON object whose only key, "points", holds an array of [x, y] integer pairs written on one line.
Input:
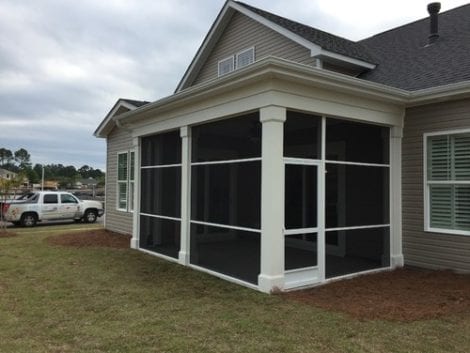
{"points": [[59, 299]]}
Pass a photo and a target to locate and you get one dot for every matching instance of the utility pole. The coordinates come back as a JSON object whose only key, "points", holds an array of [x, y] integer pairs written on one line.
{"points": [[42, 179]]}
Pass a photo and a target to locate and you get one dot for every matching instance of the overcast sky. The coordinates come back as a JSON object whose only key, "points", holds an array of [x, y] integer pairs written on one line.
{"points": [[64, 63]]}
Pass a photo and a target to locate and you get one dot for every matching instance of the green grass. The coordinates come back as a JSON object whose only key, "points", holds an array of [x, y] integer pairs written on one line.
{"points": [[56, 299]]}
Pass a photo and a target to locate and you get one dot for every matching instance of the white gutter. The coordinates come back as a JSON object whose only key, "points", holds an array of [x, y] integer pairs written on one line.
{"points": [[272, 67]]}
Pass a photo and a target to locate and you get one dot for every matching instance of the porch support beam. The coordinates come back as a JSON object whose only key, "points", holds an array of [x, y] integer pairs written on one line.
{"points": [[135, 216], [271, 278], [396, 248], [183, 256]]}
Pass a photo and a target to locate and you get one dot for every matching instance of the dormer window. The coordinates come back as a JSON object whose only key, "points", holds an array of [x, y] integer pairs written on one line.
{"points": [[245, 57], [226, 65]]}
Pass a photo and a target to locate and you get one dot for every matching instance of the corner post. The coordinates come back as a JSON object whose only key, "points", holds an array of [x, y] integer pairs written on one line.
{"points": [[271, 277], [135, 215], [183, 256], [396, 244]]}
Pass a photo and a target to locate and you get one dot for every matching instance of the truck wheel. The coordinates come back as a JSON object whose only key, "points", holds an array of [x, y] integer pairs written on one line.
{"points": [[29, 220], [90, 216]]}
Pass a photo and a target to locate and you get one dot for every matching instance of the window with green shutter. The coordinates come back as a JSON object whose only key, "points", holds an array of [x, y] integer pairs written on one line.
{"points": [[448, 183]]}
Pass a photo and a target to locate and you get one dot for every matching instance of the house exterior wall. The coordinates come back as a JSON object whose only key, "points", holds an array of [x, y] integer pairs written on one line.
{"points": [[241, 33], [420, 248], [119, 140]]}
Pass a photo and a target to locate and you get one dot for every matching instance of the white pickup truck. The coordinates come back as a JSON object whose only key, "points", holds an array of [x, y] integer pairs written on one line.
{"points": [[31, 208]]}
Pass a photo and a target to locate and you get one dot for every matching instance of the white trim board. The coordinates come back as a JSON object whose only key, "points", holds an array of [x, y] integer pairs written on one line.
{"points": [[426, 183]]}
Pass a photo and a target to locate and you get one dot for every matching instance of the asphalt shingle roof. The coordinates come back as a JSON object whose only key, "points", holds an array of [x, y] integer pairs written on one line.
{"points": [[403, 58], [326, 40], [406, 61]]}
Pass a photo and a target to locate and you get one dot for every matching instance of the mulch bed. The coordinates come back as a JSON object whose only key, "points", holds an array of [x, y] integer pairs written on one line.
{"points": [[401, 295], [91, 238]]}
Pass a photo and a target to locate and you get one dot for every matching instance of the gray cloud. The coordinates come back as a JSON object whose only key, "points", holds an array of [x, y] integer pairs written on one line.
{"points": [[63, 64]]}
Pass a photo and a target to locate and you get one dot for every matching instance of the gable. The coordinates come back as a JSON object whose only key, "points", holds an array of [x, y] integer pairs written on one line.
{"points": [[120, 107], [243, 32]]}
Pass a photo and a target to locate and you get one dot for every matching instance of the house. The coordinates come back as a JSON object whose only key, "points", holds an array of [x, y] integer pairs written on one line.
{"points": [[289, 157], [6, 174], [86, 183]]}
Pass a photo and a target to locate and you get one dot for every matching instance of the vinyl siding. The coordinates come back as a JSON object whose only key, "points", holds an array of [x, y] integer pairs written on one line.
{"points": [[118, 140], [427, 249], [241, 33]]}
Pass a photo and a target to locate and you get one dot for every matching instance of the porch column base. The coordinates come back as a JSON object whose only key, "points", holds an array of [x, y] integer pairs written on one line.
{"points": [[183, 258], [270, 284], [134, 243], [397, 261]]}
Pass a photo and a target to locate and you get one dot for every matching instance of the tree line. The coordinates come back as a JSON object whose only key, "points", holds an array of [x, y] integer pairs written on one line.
{"points": [[20, 162]]}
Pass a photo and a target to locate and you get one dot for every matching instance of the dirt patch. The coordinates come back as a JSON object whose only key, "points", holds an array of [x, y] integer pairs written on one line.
{"points": [[7, 234], [93, 238], [401, 295]]}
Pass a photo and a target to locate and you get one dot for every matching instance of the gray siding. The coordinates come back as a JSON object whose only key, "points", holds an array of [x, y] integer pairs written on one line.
{"points": [[241, 33], [425, 249], [118, 140]]}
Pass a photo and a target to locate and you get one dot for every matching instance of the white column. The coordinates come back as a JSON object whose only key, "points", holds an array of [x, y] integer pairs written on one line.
{"points": [[271, 277], [396, 247], [136, 215], [183, 256]]}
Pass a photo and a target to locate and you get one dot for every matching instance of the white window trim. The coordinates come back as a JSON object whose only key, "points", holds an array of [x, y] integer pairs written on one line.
{"points": [[129, 208], [426, 183], [232, 58], [236, 66]]}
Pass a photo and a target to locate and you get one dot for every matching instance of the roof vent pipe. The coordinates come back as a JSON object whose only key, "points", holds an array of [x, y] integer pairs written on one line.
{"points": [[433, 9]]}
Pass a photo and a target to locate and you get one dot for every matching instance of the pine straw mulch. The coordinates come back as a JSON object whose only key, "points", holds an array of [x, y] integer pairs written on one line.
{"points": [[91, 238], [402, 295]]}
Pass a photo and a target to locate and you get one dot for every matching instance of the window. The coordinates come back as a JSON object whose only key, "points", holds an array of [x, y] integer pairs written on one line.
{"points": [[245, 57], [66, 198], [241, 59], [125, 181], [50, 198], [226, 65], [447, 182]]}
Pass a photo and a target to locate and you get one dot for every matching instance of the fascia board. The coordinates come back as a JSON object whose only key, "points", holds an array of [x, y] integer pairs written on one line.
{"points": [[271, 67], [460, 90], [348, 59], [275, 27]]}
